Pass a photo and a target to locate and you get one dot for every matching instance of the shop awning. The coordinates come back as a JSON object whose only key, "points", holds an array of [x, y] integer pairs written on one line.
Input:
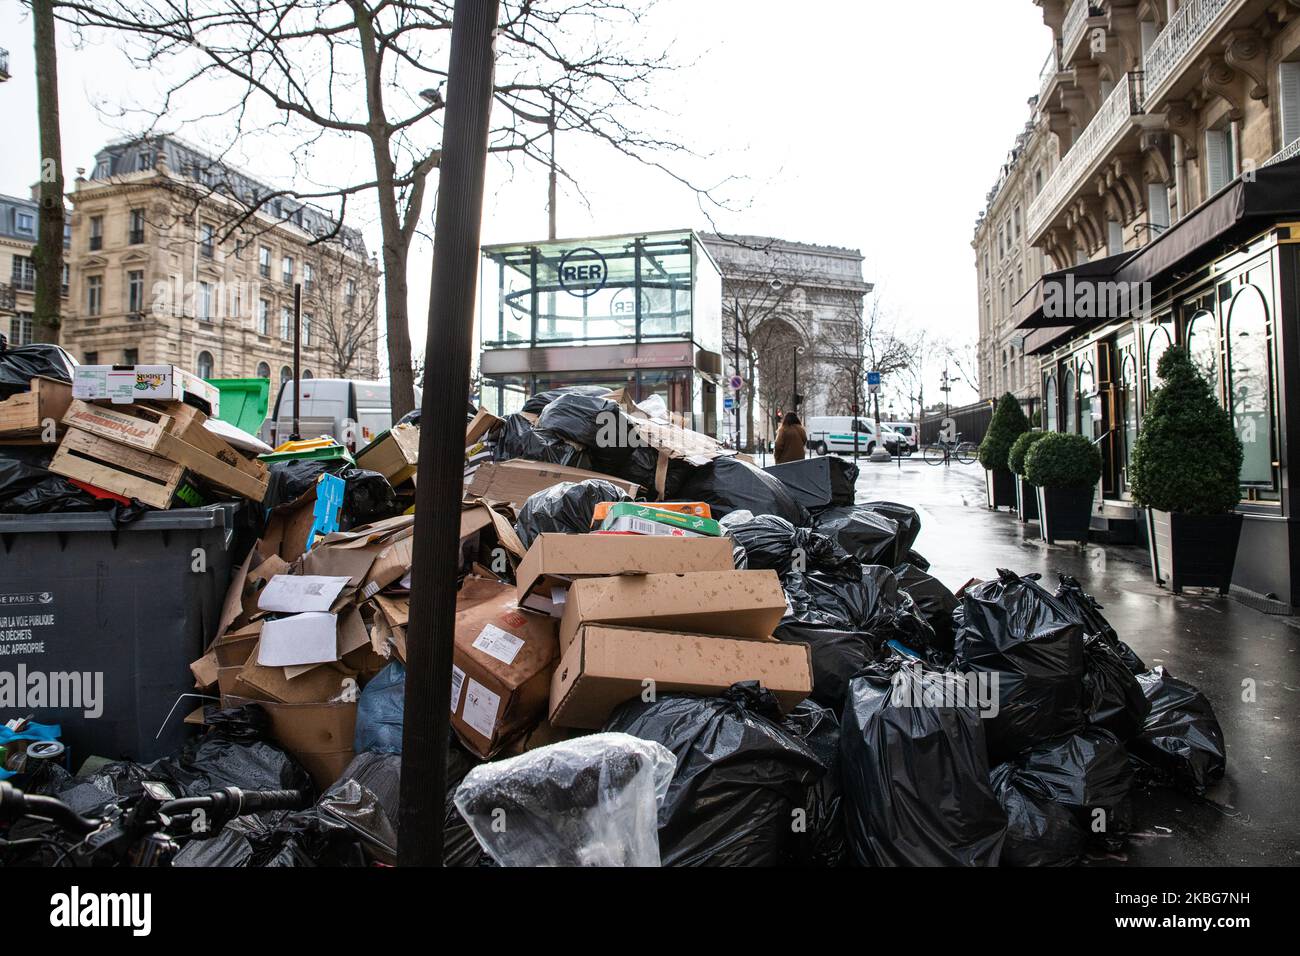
{"points": [[1030, 310]]}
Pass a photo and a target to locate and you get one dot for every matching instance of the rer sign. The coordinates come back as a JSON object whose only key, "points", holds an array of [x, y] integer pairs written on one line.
{"points": [[583, 272]]}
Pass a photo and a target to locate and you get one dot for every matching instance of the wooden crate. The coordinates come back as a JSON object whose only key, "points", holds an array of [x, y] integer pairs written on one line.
{"points": [[23, 415], [173, 432], [118, 468]]}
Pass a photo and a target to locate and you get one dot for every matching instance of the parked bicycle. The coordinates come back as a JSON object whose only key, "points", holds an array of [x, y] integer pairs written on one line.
{"points": [[943, 452], [147, 832]]}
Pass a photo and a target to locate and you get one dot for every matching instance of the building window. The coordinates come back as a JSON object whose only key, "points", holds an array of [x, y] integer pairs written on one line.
{"points": [[308, 277], [1114, 238], [143, 161], [91, 358], [306, 328], [1016, 221], [1220, 159], [1158, 206], [1249, 386], [205, 302], [286, 322], [26, 223], [1071, 402], [306, 374], [287, 274], [23, 273], [204, 365], [286, 373], [67, 273], [207, 235], [102, 169], [350, 293], [20, 329], [130, 356], [94, 295], [135, 235], [264, 319], [1156, 345], [134, 293], [96, 232], [263, 370], [264, 262], [1203, 346], [1289, 107]]}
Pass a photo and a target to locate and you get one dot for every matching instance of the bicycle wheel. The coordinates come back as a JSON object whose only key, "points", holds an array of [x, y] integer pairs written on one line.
{"points": [[934, 454], [967, 452]]}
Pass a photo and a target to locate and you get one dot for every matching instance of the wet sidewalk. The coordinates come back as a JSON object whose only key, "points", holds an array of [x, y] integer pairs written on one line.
{"points": [[1245, 662]]}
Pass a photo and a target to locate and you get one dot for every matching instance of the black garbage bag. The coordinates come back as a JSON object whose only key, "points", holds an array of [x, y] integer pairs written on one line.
{"points": [[917, 560], [1089, 774], [236, 751], [566, 508], [1015, 633], [1040, 831], [907, 518], [21, 363], [933, 601], [1112, 697], [517, 438], [740, 776], [729, 484], [915, 770], [289, 480], [773, 542], [27, 486], [819, 482], [459, 845], [870, 537], [535, 404], [1181, 741], [367, 497], [583, 419], [1087, 612], [821, 839]]}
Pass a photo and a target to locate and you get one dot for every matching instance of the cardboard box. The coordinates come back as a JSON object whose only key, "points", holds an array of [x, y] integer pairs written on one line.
{"points": [[741, 604], [649, 519], [555, 560], [124, 384], [395, 454], [25, 414], [700, 509], [482, 423], [514, 482], [606, 666], [501, 666], [319, 735]]}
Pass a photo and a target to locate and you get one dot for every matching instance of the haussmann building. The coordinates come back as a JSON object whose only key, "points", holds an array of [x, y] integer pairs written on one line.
{"points": [[641, 312]]}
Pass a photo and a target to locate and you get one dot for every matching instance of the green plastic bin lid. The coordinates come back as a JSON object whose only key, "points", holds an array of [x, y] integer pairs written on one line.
{"points": [[244, 401]]}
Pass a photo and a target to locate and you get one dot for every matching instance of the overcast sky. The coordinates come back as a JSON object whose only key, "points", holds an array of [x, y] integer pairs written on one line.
{"points": [[864, 123]]}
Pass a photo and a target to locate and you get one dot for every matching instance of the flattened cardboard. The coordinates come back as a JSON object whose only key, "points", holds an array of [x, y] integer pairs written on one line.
{"points": [[318, 684], [606, 666], [555, 560], [741, 604], [513, 482]]}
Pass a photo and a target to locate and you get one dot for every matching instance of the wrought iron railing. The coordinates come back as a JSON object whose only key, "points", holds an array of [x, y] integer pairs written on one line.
{"points": [[1076, 19], [1168, 53], [1123, 103], [1050, 68], [1289, 151]]}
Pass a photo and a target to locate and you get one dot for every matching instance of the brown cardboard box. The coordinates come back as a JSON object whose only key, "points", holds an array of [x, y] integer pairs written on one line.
{"points": [[501, 666], [555, 560], [319, 735], [742, 604], [482, 423], [605, 666], [513, 482], [312, 686], [394, 454]]}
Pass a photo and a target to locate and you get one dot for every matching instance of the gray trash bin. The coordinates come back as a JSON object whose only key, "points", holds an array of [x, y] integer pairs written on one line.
{"points": [[109, 619]]}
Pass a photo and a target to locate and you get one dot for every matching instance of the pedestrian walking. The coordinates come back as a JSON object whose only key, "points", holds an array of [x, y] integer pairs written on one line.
{"points": [[791, 440]]}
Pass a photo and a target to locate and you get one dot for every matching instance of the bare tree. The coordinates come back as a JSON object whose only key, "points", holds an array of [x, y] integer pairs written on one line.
{"points": [[346, 317], [320, 73], [964, 358], [865, 340]]}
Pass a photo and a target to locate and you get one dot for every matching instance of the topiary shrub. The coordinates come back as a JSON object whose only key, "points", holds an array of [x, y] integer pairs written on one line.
{"points": [[1008, 424], [1187, 458], [1058, 460], [1019, 448]]}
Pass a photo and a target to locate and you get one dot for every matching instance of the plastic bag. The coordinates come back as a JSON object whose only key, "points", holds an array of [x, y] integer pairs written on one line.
{"points": [[590, 801], [1040, 831], [20, 364], [27, 486], [905, 516], [566, 508], [1112, 697], [1181, 740], [379, 712], [916, 774], [1015, 633], [534, 404], [236, 751], [870, 537], [1087, 612], [1087, 772], [818, 483], [821, 840], [934, 602], [517, 438], [773, 542], [740, 776], [292, 478], [729, 484], [582, 418]]}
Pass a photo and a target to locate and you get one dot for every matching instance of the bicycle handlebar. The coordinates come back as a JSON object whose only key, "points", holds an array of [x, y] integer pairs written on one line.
{"points": [[14, 803]]}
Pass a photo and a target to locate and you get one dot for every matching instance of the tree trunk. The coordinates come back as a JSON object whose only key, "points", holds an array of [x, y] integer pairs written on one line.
{"points": [[48, 254], [749, 401]]}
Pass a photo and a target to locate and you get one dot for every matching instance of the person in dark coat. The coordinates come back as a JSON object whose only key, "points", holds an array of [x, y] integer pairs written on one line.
{"points": [[791, 440]]}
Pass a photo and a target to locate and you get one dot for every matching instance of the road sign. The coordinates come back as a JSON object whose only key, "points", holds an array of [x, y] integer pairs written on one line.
{"points": [[736, 383], [873, 382], [728, 403]]}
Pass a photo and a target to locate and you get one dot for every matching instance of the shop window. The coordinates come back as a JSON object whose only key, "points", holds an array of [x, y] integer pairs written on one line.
{"points": [[1071, 398], [1049, 403], [1129, 412], [1157, 342], [1087, 386], [1249, 385], [1203, 346]]}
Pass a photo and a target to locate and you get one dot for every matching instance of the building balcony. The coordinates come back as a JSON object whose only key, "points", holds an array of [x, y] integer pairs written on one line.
{"points": [[1075, 27], [1189, 33], [1098, 140], [1048, 74]]}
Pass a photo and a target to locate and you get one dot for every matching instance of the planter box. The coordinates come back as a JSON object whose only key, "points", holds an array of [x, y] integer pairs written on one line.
{"points": [[1001, 487], [1064, 514], [1026, 499], [1196, 551]]}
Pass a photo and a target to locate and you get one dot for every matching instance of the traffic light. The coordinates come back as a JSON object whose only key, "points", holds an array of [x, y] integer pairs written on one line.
{"points": [[798, 400]]}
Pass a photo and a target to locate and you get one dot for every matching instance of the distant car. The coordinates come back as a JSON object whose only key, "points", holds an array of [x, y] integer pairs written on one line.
{"points": [[834, 434], [350, 411], [909, 430]]}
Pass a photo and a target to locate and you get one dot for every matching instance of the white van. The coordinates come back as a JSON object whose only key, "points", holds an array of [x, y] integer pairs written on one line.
{"points": [[834, 434], [349, 411], [908, 430]]}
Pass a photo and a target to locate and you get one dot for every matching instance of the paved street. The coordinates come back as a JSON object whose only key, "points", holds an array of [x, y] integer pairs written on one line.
{"points": [[1215, 643]]}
